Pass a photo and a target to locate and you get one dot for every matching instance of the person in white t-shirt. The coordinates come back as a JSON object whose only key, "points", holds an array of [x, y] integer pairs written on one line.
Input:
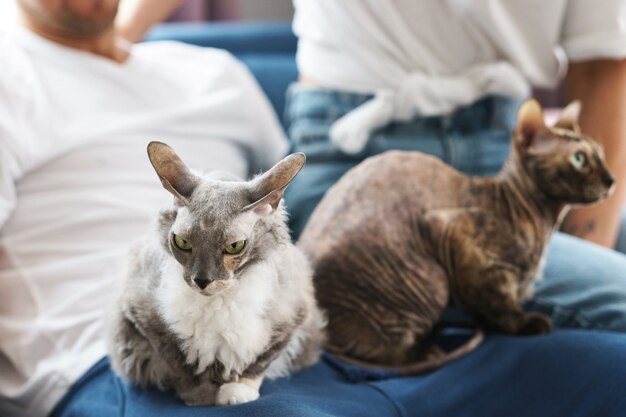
{"points": [[77, 109]]}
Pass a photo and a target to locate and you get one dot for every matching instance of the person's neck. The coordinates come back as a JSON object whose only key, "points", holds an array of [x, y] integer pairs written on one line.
{"points": [[104, 44]]}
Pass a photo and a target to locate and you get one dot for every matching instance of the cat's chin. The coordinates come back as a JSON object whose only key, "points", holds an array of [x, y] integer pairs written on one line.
{"points": [[594, 199], [585, 200], [604, 194]]}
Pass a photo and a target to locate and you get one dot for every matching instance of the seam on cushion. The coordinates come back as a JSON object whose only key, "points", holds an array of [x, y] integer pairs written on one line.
{"points": [[400, 412], [120, 390]]}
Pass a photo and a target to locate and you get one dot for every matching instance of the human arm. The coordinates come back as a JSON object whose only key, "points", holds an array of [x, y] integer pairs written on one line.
{"points": [[601, 87], [136, 17]]}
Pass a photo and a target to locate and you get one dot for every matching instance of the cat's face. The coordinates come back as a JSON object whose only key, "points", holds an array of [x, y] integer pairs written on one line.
{"points": [[564, 164], [217, 228], [211, 237], [570, 168]]}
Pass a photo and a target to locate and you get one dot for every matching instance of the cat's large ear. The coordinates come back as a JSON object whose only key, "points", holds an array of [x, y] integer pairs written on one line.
{"points": [[268, 189], [568, 119], [174, 174], [531, 128]]}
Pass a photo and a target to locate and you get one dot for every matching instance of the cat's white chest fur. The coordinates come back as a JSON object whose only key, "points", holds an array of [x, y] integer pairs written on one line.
{"points": [[228, 326]]}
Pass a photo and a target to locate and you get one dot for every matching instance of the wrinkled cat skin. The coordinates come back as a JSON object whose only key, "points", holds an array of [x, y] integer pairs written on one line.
{"points": [[211, 324], [403, 234]]}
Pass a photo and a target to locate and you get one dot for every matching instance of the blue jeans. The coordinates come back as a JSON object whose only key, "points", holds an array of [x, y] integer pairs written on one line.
{"points": [[584, 284], [568, 373]]}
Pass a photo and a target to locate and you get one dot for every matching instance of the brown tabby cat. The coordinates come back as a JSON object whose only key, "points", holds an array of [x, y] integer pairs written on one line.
{"points": [[403, 234]]}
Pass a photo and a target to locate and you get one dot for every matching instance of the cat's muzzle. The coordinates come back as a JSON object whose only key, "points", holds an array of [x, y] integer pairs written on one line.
{"points": [[210, 287], [609, 183], [201, 282]]}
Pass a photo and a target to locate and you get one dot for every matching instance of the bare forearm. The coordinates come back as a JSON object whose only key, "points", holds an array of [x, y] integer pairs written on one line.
{"points": [[601, 87], [136, 17]]}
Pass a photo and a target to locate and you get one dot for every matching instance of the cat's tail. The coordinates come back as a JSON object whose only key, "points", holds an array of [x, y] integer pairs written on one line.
{"points": [[434, 359]]}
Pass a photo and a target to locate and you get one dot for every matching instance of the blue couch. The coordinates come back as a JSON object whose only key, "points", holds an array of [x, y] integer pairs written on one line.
{"points": [[567, 373]]}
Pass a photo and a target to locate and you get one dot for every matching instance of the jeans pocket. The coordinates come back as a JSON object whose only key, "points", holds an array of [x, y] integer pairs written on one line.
{"points": [[307, 132]]}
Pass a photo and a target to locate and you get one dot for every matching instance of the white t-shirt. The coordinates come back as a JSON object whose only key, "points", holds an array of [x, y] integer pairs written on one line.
{"points": [[76, 187], [428, 57]]}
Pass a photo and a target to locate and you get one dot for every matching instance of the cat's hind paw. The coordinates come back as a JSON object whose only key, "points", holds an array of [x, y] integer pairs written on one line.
{"points": [[236, 393], [536, 323]]}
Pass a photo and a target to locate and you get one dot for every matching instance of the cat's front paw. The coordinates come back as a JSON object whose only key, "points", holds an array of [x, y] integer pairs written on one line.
{"points": [[236, 393], [536, 323]]}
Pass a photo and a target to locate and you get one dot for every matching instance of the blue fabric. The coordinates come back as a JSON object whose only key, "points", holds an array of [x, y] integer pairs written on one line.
{"points": [[584, 285], [237, 37], [568, 373]]}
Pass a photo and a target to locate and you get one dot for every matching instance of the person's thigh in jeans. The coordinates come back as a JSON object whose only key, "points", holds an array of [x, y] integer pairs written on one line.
{"points": [[583, 285]]}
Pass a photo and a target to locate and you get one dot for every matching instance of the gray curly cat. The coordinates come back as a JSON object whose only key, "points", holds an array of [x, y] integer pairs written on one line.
{"points": [[403, 234], [217, 297]]}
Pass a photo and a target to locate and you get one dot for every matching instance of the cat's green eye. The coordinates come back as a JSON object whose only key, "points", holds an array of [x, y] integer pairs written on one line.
{"points": [[579, 159], [181, 243], [235, 247]]}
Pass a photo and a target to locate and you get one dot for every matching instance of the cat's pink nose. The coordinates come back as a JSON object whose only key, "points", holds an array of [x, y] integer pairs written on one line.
{"points": [[201, 282]]}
